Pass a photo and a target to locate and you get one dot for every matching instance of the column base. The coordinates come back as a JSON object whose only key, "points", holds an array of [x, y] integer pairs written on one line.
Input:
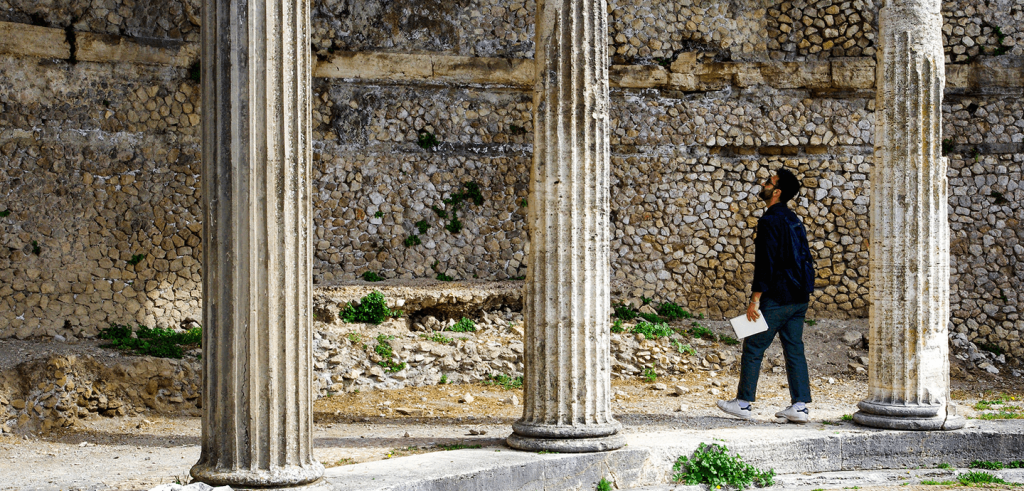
{"points": [[906, 417], [566, 445], [291, 477]]}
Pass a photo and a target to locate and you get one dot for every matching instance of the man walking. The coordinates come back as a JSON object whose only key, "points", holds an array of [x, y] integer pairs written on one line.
{"points": [[783, 281]]}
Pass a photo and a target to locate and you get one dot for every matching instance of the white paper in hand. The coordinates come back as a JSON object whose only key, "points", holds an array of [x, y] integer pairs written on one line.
{"points": [[745, 328]]}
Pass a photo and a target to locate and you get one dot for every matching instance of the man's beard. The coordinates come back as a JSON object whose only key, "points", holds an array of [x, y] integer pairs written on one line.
{"points": [[765, 193]]}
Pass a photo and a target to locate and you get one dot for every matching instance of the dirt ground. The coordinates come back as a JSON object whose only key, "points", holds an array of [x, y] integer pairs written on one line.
{"points": [[144, 451]]}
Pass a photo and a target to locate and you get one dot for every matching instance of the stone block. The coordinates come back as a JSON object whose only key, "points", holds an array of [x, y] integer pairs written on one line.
{"points": [[107, 48], [472, 69], [637, 76], [27, 40], [853, 73], [797, 75], [386, 66]]}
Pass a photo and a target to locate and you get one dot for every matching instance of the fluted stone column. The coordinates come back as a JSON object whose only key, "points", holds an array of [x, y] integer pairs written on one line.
{"points": [[257, 275], [909, 370], [567, 404]]}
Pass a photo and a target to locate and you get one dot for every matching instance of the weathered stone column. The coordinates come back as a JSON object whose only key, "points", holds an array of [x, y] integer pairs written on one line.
{"points": [[567, 404], [257, 274], [909, 370]]}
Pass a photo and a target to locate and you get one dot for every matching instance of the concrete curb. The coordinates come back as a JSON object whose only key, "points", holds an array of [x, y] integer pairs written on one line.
{"points": [[648, 458]]}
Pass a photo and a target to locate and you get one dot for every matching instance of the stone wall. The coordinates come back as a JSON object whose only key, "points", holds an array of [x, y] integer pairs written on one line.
{"points": [[99, 150]]}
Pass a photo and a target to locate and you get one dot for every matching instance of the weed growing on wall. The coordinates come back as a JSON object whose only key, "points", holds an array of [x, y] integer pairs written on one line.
{"points": [[412, 240], [653, 330], [372, 309], [622, 311], [426, 140], [617, 326], [423, 226], [671, 311], [6, 213], [159, 342], [978, 477], [714, 466], [464, 325], [384, 350], [684, 349], [604, 485], [444, 277], [35, 248], [437, 338], [371, 276], [650, 375], [136, 259]]}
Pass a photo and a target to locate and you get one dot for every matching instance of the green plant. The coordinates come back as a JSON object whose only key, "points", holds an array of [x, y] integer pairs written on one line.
{"points": [[617, 326], [437, 338], [384, 350], [644, 300], [468, 191], [136, 259], [195, 72], [426, 140], [664, 62], [543, 452], [35, 248], [454, 225], [423, 226], [464, 325], [516, 130], [847, 417], [6, 213], [932, 482], [372, 309], [518, 278], [650, 375], [712, 465], [991, 348], [947, 146], [943, 465], [355, 337], [976, 154], [671, 311], [728, 340], [652, 318], [986, 464], [371, 276], [699, 331], [378, 214], [457, 446], [977, 477], [810, 322], [504, 381], [523, 203], [604, 485], [159, 342], [622, 311], [652, 331], [444, 379], [443, 215], [685, 349], [412, 240], [444, 277]]}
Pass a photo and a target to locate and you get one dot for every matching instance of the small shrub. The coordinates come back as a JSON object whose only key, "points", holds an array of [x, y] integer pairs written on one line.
{"points": [[621, 311], [617, 326], [444, 277], [35, 248], [371, 276], [849, 417], [355, 337], [437, 338], [378, 214], [991, 348], [385, 351], [810, 322], [464, 325], [652, 318], [372, 309], [650, 375], [444, 379], [712, 465], [426, 140], [455, 225], [412, 240], [729, 340], [504, 381], [986, 464], [652, 331], [672, 312], [443, 215], [423, 226], [932, 482], [604, 485], [644, 300], [136, 259], [6, 213]]}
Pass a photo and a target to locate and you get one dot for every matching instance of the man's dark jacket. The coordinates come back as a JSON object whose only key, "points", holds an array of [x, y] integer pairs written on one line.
{"points": [[783, 268]]}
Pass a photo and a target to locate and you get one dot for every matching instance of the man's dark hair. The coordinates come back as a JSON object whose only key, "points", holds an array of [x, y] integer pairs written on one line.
{"points": [[788, 184]]}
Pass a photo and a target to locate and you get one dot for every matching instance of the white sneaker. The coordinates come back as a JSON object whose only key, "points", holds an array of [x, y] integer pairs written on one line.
{"points": [[795, 415], [733, 408]]}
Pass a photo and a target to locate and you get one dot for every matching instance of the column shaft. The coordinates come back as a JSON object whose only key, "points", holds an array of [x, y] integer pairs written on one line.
{"points": [[257, 272], [909, 370], [567, 405]]}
